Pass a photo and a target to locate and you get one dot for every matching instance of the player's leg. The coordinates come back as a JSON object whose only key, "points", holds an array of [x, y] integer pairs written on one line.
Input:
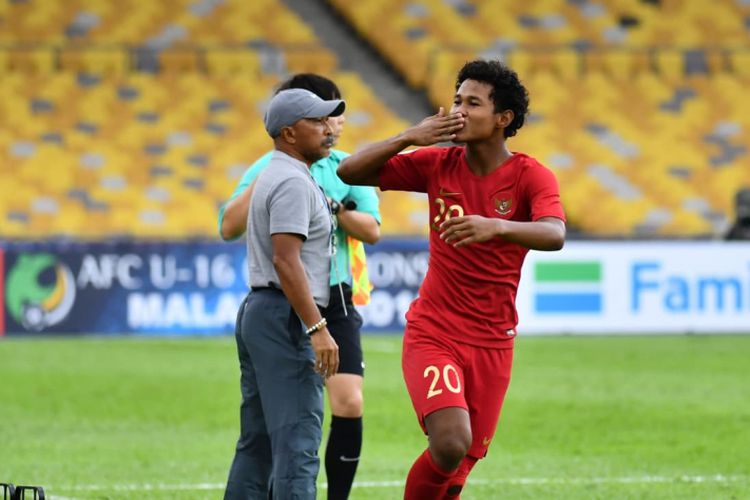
{"points": [[458, 480], [433, 472], [434, 379], [250, 472], [345, 397], [292, 395], [345, 435], [487, 374]]}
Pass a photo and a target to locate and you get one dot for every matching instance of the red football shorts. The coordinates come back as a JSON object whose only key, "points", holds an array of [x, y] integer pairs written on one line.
{"points": [[440, 373]]}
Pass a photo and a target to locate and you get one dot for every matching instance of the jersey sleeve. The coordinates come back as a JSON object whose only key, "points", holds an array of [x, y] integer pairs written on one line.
{"points": [[247, 178], [408, 171], [543, 193], [290, 206]]}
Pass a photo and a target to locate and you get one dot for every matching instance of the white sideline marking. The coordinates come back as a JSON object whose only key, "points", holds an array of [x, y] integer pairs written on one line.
{"points": [[716, 478]]}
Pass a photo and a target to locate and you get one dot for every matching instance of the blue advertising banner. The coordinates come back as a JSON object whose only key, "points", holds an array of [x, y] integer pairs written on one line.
{"points": [[150, 288], [169, 288], [397, 268], [196, 288]]}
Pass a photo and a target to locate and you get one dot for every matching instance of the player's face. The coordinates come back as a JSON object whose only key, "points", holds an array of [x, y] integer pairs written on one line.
{"points": [[313, 138], [473, 101], [337, 126]]}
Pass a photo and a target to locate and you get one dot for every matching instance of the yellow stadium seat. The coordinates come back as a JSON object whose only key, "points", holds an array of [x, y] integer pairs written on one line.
{"points": [[740, 62], [310, 61], [716, 60], [670, 63], [620, 64], [563, 63], [227, 62], [179, 61], [567, 63], [30, 61], [113, 62]]}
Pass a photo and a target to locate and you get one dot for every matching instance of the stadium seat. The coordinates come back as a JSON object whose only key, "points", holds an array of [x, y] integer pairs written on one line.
{"points": [[232, 61], [306, 61], [182, 61], [670, 63], [716, 61], [740, 62], [30, 60], [564, 63], [114, 62], [619, 64]]}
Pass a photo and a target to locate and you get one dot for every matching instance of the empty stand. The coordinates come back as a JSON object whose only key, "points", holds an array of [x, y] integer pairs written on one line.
{"points": [[141, 155], [639, 107], [643, 157]]}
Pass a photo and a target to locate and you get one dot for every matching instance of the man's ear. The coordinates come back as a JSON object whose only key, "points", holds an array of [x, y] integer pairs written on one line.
{"points": [[288, 135], [504, 119]]}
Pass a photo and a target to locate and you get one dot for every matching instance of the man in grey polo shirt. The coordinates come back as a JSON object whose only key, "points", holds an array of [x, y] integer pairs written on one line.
{"points": [[284, 347]]}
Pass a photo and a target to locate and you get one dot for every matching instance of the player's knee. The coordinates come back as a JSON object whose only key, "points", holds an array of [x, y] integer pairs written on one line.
{"points": [[349, 405], [449, 450]]}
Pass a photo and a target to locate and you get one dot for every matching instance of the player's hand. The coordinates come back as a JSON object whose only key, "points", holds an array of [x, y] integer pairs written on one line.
{"points": [[326, 353], [436, 128], [462, 231]]}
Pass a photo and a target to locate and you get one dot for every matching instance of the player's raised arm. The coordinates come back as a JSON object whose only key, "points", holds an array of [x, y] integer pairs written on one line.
{"points": [[363, 167]]}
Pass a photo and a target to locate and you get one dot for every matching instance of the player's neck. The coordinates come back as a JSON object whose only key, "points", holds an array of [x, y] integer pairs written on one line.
{"points": [[485, 157]]}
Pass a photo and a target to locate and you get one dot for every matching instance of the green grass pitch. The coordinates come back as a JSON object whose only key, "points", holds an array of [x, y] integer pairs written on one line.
{"points": [[662, 417]]}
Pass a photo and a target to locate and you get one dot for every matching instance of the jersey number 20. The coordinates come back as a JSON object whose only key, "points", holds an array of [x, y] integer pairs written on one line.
{"points": [[448, 370], [445, 213]]}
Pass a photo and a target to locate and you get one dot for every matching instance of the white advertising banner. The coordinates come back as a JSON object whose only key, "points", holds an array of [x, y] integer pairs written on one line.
{"points": [[637, 287]]}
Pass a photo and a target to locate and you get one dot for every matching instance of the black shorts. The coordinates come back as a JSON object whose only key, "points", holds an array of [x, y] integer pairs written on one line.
{"points": [[345, 330]]}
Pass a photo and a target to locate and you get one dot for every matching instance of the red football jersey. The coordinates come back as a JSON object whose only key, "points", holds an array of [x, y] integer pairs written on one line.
{"points": [[469, 293]]}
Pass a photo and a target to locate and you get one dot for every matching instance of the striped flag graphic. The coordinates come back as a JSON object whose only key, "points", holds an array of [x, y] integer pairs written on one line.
{"points": [[361, 285], [568, 287]]}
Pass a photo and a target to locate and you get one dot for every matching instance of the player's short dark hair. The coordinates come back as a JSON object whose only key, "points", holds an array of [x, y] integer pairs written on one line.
{"points": [[318, 85], [507, 90]]}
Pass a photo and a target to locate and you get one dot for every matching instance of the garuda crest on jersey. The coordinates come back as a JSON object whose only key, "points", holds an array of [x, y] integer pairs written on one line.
{"points": [[503, 206]]}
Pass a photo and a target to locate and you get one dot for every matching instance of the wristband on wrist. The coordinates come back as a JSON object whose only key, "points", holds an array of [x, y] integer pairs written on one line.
{"points": [[335, 207], [317, 326]]}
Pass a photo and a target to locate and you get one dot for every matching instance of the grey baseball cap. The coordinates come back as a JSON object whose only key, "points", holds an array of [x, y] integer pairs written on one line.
{"points": [[291, 105]]}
